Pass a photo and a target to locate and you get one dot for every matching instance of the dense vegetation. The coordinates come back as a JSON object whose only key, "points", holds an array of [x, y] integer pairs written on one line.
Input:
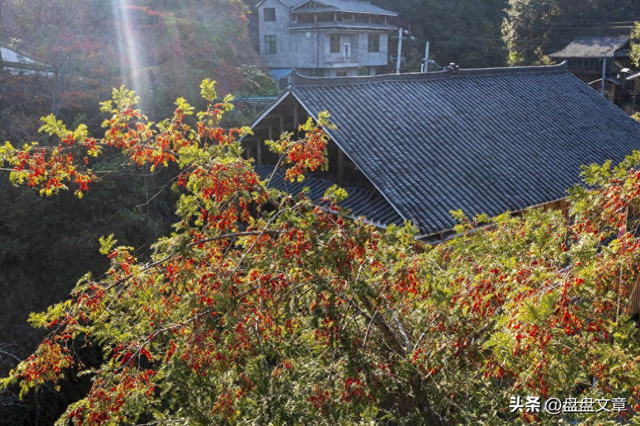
{"points": [[534, 28], [83, 44], [482, 33], [47, 244], [261, 308]]}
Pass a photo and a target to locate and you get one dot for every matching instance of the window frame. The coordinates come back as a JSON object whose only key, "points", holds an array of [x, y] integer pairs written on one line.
{"points": [[334, 38], [270, 45], [373, 40], [264, 14]]}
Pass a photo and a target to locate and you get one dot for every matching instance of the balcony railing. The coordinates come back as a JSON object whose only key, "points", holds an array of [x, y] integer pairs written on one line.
{"points": [[342, 59]]}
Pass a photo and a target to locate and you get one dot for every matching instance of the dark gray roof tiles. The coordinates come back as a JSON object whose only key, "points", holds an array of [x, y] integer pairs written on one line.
{"points": [[344, 6], [592, 47], [484, 141], [361, 202]]}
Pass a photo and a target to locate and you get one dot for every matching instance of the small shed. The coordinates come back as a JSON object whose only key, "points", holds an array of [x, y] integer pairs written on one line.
{"points": [[594, 59]]}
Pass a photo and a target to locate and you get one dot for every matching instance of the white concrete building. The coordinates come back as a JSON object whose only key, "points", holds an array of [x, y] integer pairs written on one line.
{"points": [[324, 38]]}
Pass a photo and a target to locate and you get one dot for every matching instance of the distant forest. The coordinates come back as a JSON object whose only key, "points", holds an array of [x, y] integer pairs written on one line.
{"points": [[487, 33]]}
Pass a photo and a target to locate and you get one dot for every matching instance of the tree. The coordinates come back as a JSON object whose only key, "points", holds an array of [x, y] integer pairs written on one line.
{"points": [[179, 44], [535, 28], [635, 44], [65, 35], [461, 31], [263, 308]]}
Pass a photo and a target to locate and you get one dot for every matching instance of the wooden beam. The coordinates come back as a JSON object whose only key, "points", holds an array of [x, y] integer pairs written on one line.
{"points": [[350, 166], [340, 167]]}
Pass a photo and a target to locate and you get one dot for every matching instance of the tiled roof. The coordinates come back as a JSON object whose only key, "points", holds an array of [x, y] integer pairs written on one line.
{"points": [[361, 202], [352, 25], [592, 47], [293, 3], [280, 73], [9, 55], [484, 141], [352, 6]]}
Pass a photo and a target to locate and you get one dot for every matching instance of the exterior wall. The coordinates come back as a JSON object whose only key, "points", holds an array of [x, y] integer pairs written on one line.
{"points": [[277, 28], [333, 72], [374, 58], [311, 49]]}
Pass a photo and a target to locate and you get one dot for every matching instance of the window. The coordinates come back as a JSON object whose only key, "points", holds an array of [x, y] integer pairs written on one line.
{"points": [[316, 72], [374, 42], [334, 41], [269, 14], [270, 46], [341, 73], [363, 71]]}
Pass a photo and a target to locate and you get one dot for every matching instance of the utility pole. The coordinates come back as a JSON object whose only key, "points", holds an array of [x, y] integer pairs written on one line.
{"points": [[317, 47], [426, 58], [604, 75], [399, 60]]}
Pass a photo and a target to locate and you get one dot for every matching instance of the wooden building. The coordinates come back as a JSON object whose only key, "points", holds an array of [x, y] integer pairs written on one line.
{"points": [[597, 59], [417, 146]]}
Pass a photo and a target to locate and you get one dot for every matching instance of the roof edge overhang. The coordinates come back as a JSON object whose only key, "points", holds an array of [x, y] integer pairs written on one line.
{"points": [[299, 80], [382, 12], [450, 233], [268, 110], [623, 41], [339, 144], [350, 28], [281, 1], [285, 95]]}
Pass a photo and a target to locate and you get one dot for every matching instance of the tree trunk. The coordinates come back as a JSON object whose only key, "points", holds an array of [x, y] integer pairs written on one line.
{"points": [[422, 403], [420, 397]]}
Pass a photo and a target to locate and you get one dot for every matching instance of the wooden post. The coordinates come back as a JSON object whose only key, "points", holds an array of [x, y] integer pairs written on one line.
{"points": [[604, 75], [340, 167], [282, 124], [296, 122]]}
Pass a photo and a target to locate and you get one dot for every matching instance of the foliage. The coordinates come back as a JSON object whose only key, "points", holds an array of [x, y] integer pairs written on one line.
{"points": [[635, 44], [262, 308], [466, 32], [534, 28], [181, 43], [72, 38]]}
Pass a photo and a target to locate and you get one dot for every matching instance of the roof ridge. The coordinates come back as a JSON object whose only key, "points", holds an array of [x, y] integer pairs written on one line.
{"points": [[300, 80]]}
